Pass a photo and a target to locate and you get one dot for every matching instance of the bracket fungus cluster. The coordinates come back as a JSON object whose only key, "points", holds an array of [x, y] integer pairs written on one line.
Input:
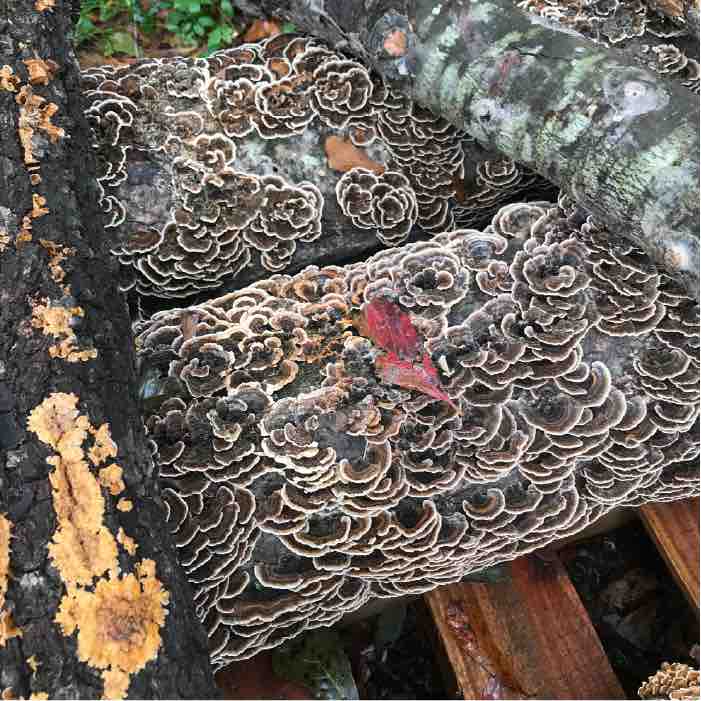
{"points": [[654, 39], [199, 161], [386, 427]]}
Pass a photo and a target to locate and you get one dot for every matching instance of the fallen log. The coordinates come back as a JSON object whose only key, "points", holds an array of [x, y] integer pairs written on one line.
{"points": [[92, 601], [386, 427], [620, 140]]}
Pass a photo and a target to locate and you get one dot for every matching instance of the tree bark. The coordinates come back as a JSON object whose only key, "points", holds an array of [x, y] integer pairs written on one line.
{"points": [[67, 377], [622, 141]]}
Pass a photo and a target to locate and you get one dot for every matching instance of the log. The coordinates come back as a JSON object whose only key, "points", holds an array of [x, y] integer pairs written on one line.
{"points": [[527, 637], [78, 490], [675, 529], [623, 142]]}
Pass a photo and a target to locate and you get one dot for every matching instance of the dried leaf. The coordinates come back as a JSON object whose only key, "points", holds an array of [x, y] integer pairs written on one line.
{"points": [[391, 328], [423, 378], [343, 156], [261, 29]]}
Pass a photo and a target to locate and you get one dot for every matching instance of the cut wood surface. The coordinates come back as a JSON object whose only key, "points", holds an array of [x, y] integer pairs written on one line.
{"points": [[674, 526], [527, 637]]}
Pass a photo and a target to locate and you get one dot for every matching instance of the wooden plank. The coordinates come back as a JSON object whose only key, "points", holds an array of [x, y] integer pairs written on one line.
{"points": [[674, 526], [528, 637]]}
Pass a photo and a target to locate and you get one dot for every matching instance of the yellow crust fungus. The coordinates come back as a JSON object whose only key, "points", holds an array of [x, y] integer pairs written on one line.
{"points": [[118, 624], [104, 447], [40, 71], [44, 5], [33, 663], [39, 695], [111, 479], [126, 542], [8, 80], [55, 321], [4, 239], [124, 505]]}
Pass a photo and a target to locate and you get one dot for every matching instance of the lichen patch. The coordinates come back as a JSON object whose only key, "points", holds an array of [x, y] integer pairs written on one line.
{"points": [[118, 624], [55, 320]]}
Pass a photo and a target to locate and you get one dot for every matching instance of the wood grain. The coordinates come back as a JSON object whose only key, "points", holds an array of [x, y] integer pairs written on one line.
{"points": [[528, 637], [674, 526]]}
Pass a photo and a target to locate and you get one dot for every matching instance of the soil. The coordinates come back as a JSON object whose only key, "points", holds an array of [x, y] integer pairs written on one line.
{"points": [[638, 611]]}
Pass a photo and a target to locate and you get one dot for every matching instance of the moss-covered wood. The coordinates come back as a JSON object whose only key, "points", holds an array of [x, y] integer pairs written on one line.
{"points": [[65, 340], [621, 140]]}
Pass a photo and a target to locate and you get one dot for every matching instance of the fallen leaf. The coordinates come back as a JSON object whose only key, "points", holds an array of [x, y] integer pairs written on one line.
{"points": [[261, 29], [342, 156], [255, 679], [423, 378], [391, 328]]}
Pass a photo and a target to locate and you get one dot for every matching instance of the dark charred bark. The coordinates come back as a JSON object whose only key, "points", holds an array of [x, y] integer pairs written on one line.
{"points": [[48, 204], [622, 141]]}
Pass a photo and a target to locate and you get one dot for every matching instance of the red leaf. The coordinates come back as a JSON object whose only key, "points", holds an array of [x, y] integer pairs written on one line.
{"points": [[391, 328], [423, 377]]}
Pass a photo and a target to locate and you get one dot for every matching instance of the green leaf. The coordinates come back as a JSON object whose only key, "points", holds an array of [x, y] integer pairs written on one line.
{"points": [[317, 660], [123, 43], [194, 8], [199, 31], [226, 8], [205, 21], [214, 38], [288, 27]]}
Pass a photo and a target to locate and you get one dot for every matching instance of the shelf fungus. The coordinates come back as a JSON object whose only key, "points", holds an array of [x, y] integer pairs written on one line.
{"points": [[207, 166], [386, 427]]}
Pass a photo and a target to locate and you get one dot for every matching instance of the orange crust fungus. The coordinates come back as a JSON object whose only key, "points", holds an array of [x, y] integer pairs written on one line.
{"points": [[129, 544], [40, 71], [82, 548], [34, 114], [118, 624], [8, 80], [111, 479], [119, 621], [124, 505], [57, 255], [55, 321], [7, 627]]}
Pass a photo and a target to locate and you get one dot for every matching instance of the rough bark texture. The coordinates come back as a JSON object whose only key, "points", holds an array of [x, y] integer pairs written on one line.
{"points": [[33, 253], [623, 142]]}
